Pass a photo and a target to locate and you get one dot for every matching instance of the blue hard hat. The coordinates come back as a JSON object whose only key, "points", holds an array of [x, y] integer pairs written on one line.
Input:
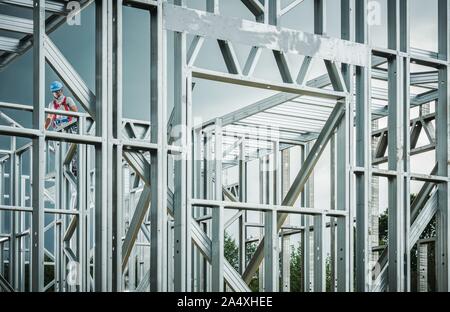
{"points": [[56, 86]]}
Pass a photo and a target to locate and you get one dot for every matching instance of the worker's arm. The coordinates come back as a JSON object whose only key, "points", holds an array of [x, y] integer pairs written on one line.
{"points": [[72, 105], [48, 121], [74, 108]]}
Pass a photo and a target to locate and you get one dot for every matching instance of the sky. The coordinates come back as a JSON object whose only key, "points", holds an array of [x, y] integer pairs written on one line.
{"points": [[210, 99]]}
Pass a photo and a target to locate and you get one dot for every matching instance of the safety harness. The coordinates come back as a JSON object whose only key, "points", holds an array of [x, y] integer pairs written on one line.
{"points": [[66, 108]]}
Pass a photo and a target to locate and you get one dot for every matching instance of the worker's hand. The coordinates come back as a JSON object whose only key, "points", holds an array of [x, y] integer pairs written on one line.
{"points": [[47, 123]]}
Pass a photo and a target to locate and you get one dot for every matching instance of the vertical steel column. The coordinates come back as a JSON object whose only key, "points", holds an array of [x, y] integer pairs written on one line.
{"points": [[285, 240], [267, 189], [262, 200], [308, 202], [81, 207], [345, 224], [270, 223], [363, 157], [59, 269], [180, 183], [442, 153], [271, 265], [12, 214], [37, 235], [209, 194], [348, 33], [199, 193], [319, 222], [115, 150], [242, 198], [66, 205], [211, 6], [319, 254], [170, 257], [273, 12], [90, 189], [189, 178], [277, 174], [131, 205], [101, 156], [217, 259], [396, 110], [319, 17], [305, 231], [404, 39], [59, 178], [333, 206], [271, 251], [422, 266], [158, 159], [59, 204], [345, 137], [108, 156], [20, 252]]}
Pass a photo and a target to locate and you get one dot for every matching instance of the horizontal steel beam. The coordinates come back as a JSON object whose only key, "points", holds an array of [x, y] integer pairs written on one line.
{"points": [[16, 24], [261, 207], [265, 36], [27, 108], [264, 84], [280, 98], [414, 151], [9, 44], [50, 6]]}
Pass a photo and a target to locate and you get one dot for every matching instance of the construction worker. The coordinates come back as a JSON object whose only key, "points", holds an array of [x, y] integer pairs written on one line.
{"points": [[60, 102], [62, 122]]}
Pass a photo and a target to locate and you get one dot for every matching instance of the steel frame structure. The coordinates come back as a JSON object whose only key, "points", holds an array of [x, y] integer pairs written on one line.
{"points": [[125, 229]]}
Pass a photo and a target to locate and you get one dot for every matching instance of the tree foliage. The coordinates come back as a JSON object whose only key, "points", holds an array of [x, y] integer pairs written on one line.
{"points": [[429, 232], [231, 252]]}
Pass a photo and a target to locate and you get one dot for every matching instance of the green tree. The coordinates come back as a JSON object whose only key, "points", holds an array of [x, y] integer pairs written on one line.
{"points": [[295, 270], [231, 253], [429, 232], [249, 252], [329, 282]]}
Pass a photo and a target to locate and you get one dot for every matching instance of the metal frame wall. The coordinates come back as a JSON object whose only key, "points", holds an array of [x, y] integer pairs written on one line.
{"points": [[148, 209]]}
